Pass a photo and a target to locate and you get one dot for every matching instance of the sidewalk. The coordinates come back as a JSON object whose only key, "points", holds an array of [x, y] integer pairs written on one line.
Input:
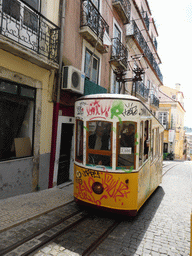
{"points": [[21, 208]]}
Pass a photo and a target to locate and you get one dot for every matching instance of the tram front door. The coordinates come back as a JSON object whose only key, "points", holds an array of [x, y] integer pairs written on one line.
{"points": [[65, 152]]}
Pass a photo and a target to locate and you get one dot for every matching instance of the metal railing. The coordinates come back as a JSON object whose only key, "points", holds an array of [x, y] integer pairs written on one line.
{"points": [[155, 43], [26, 26], [154, 100], [126, 6], [119, 51], [146, 19], [134, 30], [141, 89], [91, 17]]}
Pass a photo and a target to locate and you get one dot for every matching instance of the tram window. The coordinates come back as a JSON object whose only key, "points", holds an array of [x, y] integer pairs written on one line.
{"points": [[79, 141], [157, 142], [141, 144], [146, 140], [99, 143], [126, 144], [152, 144]]}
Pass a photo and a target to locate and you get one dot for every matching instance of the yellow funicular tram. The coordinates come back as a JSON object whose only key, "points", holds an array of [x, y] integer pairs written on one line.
{"points": [[118, 152]]}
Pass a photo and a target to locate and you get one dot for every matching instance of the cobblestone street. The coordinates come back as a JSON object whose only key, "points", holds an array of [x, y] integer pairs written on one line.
{"points": [[162, 226]]}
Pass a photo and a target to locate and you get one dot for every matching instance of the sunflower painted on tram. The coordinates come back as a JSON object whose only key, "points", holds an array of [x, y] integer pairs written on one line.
{"points": [[118, 152]]}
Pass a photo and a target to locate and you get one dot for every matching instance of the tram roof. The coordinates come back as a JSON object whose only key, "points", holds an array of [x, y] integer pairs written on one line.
{"points": [[109, 96]]}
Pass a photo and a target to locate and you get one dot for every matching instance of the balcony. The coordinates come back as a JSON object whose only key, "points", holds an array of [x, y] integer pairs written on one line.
{"points": [[154, 101], [30, 30], [92, 88], [140, 90], [123, 8], [134, 32], [119, 54], [93, 26]]}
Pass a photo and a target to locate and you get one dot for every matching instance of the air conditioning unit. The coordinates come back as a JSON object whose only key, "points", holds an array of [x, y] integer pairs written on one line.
{"points": [[72, 79]]}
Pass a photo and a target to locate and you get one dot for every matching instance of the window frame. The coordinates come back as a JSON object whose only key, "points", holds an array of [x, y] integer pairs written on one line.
{"points": [[163, 117], [87, 50], [95, 151], [21, 17], [118, 146], [18, 95], [76, 139]]}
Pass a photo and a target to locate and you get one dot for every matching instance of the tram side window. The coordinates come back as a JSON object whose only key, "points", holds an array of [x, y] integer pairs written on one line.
{"points": [[157, 142], [141, 144], [126, 144], [152, 144], [161, 148], [79, 141], [99, 143], [146, 140]]}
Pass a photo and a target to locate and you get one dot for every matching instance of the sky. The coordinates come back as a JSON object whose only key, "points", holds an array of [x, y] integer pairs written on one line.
{"points": [[173, 20]]}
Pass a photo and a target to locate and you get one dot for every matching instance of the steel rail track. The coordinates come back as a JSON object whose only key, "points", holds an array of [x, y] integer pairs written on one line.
{"points": [[49, 239], [37, 233], [169, 169], [100, 239]]}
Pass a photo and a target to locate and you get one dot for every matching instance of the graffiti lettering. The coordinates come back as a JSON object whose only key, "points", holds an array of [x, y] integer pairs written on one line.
{"points": [[97, 110], [92, 173], [117, 109], [143, 112], [80, 108], [130, 111], [113, 188], [85, 192], [79, 181]]}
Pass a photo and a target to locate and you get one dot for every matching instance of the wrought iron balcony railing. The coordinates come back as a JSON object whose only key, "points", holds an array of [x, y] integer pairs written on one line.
{"points": [[26, 26], [155, 43], [146, 19], [142, 89], [123, 8], [91, 17], [119, 53], [154, 101], [133, 30]]}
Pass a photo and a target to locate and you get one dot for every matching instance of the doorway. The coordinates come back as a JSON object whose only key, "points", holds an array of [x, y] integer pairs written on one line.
{"points": [[63, 169]]}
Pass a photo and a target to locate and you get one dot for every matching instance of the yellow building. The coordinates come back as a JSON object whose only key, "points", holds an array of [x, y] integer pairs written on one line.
{"points": [[171, 115], [29, 40]]}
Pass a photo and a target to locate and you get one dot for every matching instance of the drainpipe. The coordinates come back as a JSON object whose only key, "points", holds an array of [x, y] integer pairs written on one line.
{"points": [[56, 104]]}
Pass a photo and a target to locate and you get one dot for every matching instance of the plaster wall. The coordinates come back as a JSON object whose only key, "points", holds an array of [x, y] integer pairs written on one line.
{"points": [[23, 72], [23, 175], [16, 177]]}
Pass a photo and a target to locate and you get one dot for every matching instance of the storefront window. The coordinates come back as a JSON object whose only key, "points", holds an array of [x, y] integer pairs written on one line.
{"points": [[17, 121]]}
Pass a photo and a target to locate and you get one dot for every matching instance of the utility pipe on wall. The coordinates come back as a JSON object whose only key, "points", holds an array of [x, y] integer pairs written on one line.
{"points": [[56, 104]]}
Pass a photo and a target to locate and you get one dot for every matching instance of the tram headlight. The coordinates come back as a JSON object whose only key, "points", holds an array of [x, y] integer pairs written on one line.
{"points": [[97, 188]]}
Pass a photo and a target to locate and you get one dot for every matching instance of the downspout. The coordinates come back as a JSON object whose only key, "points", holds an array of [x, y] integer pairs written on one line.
{"points": [[56, 104]]}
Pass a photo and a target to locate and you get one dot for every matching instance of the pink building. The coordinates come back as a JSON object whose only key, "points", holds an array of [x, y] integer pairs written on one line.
{"points": [[108, 46]]}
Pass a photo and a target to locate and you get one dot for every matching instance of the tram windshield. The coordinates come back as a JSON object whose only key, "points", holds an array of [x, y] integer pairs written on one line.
{"points": [[99, 143], [126, 144]]}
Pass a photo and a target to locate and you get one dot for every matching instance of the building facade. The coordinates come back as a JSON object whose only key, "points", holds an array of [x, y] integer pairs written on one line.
{"points": [[188, 137], [109, 46], [53, 52], [29, 39], [171, 115]]}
